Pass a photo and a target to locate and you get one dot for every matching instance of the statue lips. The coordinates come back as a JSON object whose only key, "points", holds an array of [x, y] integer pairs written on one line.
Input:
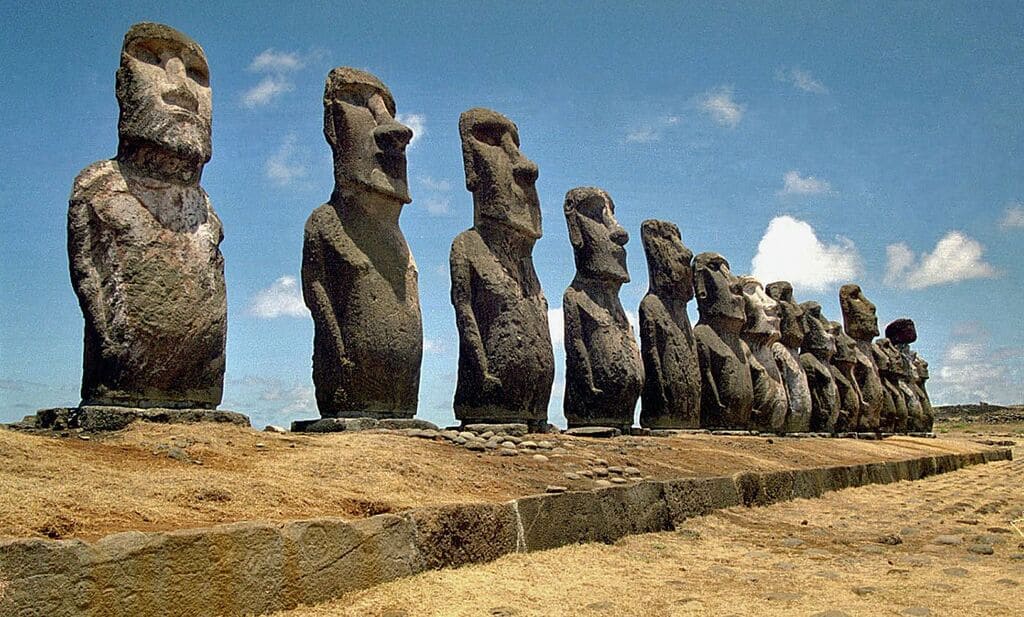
{"points": [[182, 98]]}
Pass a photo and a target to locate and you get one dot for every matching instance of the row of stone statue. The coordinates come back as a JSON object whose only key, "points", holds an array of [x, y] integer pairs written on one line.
{"points": [[143, 244]]}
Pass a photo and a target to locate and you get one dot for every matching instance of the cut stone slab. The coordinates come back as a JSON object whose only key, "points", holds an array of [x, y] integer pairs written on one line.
{"points": [[105, 418], [512, 429], [593, 431], [340, 425]]}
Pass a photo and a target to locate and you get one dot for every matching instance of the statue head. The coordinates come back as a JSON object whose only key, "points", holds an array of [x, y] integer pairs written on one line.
{"points": [[859, 316], [719, 293], [367, 142], [597, 238], [762, 313], [669, 266], [921, 368], [817, 339], [792, 315], [501, 179], [163, 92], [894, 363], [901, 331], [846, 347]]}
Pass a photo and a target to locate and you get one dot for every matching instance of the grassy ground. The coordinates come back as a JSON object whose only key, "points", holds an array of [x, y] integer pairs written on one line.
{"points": [[161, 477]]}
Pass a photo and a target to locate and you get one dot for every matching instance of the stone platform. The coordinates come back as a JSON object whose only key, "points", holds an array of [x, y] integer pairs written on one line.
{"points": [[91, 418]]}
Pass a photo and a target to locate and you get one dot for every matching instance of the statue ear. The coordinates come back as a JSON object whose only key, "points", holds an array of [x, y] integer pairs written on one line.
{"points": [[330, 133], [469, 164], [572, 220]]}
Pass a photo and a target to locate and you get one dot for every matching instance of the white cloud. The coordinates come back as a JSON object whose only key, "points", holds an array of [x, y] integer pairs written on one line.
{"points": [[1014, 217], [434, 345], [556, 323], [438, 206], [283, 168], [801, 79], [972, 370], [720, 105], [269, 88], [270, 61], [956, 257], [791, 251], [441, 186], [418, 124], [651, 131], [795, 184], [281, 299]]}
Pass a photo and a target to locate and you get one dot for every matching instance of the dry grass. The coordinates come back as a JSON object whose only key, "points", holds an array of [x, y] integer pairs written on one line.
{"points": [[148, 477], [746, 562]]}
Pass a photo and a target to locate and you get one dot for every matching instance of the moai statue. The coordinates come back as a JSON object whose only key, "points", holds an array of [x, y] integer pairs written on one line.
{"points": [[901, 333], [816, 354], [671, 393], [895, 379], [726, 388], [506, 365], [787, 354], [844, 363], [359, 279], [920, 377], [861, 324], [143, 239], [760, 331], [603, 369]]}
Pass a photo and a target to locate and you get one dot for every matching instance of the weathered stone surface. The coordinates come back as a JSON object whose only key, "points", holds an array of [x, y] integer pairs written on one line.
{"points": [[897, 375], [920, 377], [861, 324], [108, 418], [787, 354], [506, 363], [514, 429], [671, 393], [843, 366], [359, 279], [760, 331], [144, 242], [604, 371], [593, 431], [456, 535], [727, 391], [816, 353], [689, 497]]}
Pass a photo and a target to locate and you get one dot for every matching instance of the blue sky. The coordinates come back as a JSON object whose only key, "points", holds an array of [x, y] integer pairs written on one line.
{"points": [[876, 143]]}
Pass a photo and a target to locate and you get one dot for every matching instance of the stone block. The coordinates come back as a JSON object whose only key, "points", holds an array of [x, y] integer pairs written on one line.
{"points": [[689, 497], [456, 535]]}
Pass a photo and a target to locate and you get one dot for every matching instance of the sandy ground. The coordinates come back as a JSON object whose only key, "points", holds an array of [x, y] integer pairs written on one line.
{"points": [[905, 549], [161, 477]]}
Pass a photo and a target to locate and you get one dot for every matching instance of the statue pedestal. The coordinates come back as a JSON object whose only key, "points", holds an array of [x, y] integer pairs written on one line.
{"points": [[92, 418]]}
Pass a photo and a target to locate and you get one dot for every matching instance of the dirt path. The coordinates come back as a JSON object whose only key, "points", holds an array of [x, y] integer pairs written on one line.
{"points": [[911, 548]]}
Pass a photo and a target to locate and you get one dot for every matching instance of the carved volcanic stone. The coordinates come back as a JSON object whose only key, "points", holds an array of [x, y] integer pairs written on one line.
{"points": [[843, 366], [727, 390], [143, 240], [815, 357], [506, 363], [671, 393], [359, 279], [787, 354], [895, 379], [920, 377], [901, 331], [603, 369], [861, 324], [760, 332]]}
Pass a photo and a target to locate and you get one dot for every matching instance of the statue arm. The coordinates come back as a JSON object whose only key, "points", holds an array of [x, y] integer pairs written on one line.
{"points": [[708, 376], [314, 292], [471, 341], [575, 347], [85, 277], [650, 334]]}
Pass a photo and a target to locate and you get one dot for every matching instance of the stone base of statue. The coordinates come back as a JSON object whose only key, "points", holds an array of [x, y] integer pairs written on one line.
{"points": [[363, 423], [92, 418]]}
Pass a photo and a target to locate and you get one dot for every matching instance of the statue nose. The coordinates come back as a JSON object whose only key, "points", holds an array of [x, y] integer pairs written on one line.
{"points": [[525, 172], [619, 235], [392, 136]]}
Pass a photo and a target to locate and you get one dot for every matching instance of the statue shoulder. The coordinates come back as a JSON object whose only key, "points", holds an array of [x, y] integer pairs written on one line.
{"points": [[99, 180]]}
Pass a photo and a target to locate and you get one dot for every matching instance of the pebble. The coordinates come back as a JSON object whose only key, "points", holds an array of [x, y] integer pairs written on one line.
{"points": [[467, 435], [602, 483], [540, 458], [428, 433], [491, 445], [559, 451], [1017, 556], [865, 591], [476, 446], [631, 471], [507, 452], [508, 445], [948, 540], [601, 462], [450, 435], [552, 488], [84, 437], [619, 480], [981, 549], [601, 472], [831, 614], [460, 440], [260, 444], [783, 596], [957, 572], [615, 470], [917, 560], [572, 476], [527, 444], [916, 611], [545, 445], [486, 434], [586, 473], [890, 539], [271, 428], [503, 611], [513, 439], [792, 542]]}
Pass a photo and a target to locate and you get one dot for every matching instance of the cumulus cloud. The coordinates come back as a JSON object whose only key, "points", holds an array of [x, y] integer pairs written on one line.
{"points": [[720, 105], [556, 323], [651, 131], [268, 89], [1014, 217], [284, 168], [441, 186], [790, 250], [438, 206], [972, 369], [434, 345], [270, 60], [956, 258], [418, 124], [281, 299], [276, 66], [437, 201], [795, 184], [801, 80]]}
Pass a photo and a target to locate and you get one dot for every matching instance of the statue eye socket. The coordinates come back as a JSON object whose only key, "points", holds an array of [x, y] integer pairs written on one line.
{"points": [[488, 133], [197, 75], [144, 54]]}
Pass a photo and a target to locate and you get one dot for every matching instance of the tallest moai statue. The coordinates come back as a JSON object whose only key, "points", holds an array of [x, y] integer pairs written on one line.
{"points": [[359, 279], [143, 240]]}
